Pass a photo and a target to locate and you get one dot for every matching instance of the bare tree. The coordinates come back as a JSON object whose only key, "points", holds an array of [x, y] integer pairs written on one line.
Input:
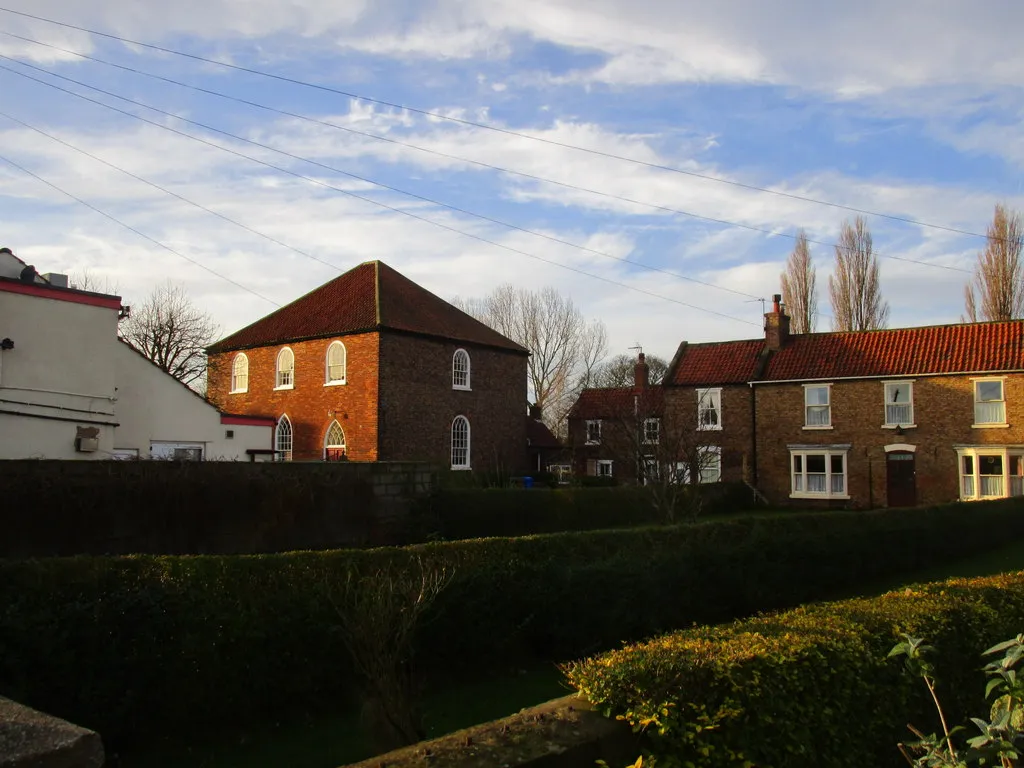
{"points": [[621, 369], [799, 288], [87, 280], [379, 612], [674, 458], [172, 332], [857, 303], [564, 347], [999, 275]]}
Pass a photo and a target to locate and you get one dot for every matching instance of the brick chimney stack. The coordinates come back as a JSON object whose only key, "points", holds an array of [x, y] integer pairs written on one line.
{"points": [[776, 325], [641, 373]]}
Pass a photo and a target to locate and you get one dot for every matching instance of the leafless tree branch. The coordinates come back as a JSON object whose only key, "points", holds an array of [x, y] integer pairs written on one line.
{"points": [[998, 282], [799, 288], [857, 303]]}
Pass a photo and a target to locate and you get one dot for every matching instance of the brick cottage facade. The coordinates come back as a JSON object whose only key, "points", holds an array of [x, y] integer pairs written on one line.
{"points": [[862, 419], [373, 367]]}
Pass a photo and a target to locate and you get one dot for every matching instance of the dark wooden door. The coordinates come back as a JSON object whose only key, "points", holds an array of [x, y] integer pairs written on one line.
{"points": [[901, 488]]}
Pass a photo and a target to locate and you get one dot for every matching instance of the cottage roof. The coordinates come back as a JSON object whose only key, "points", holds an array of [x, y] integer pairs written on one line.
{"points": [[617, 402], [539, 436], [370, 297]]}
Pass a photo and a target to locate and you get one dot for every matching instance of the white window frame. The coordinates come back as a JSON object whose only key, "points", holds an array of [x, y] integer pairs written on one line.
{"points": [[970, 483], [709, 401], [343, 379], [241, 360], [460, 462], [979, 424], [284, 430], [705, 469], [887, 401], [327, 438], [798, 488], [280, 380], [808, 406], [652, 431], [562, 473], [461, 378], [588, 440], [604, 464]]}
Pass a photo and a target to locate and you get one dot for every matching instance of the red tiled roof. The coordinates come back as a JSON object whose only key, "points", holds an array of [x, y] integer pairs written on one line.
{"points": [[726, 362], [539, 436], [963, 348], [372, 296], [616, 402]]}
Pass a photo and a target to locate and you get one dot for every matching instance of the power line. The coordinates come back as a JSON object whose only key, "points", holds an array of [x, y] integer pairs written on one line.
{"points": [[349, 193], [130, 228], [390, 140], [498, 129], [334, 169], [168, 191]]}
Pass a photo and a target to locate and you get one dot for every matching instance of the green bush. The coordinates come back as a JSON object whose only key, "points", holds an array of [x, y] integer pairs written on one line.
{"points": [[809, 687], [135, 645], [473, 513]]}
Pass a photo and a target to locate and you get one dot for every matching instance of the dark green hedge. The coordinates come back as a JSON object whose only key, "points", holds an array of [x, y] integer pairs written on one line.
{"points": [[811, 687], [452, 514], [142, 644]]}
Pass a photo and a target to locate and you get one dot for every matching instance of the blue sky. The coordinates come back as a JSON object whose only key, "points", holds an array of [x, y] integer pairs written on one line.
{"points": [[914, 111]]}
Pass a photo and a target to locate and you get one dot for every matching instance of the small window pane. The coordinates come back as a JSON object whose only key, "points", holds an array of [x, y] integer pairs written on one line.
{"points": [[460, 369], [990, 465], [968, 465], [837, 464], [816, 395], [336, 362], [990, 391], [798, 463], [460, 442], [816, 463]]}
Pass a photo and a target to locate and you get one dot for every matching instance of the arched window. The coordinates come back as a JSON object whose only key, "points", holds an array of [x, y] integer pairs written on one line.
{"points": [[240, 373], [334, 442], [460, 443], [283, 439], [336, 359], [285, 369], [460, 369]]}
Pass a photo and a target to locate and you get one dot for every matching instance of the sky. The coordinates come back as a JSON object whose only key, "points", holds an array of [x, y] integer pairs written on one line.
{"points": [[608, 149]]}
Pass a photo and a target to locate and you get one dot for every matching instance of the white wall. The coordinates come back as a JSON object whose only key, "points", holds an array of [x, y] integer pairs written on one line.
{"points": [[60, 370], [24, 437], [153, 407]]}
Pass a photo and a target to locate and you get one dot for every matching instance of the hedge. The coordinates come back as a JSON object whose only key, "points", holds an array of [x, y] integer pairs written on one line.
{"points": [[137, 645], [452, 514], [809, 687]]}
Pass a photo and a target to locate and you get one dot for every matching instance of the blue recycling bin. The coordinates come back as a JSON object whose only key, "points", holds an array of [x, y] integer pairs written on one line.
{"points": [[527, 482]]}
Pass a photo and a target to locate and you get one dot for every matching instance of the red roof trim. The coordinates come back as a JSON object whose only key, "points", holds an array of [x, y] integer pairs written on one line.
{"points": [[248, 421], [61, 294]]}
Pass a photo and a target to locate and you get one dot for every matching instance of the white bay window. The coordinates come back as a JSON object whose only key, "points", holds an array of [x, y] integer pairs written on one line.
{"points": [[990, 472], [818, 472]]}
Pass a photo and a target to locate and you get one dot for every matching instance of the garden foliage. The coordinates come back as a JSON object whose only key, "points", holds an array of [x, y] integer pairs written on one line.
{"points": [[137, 645], [808, 687]]}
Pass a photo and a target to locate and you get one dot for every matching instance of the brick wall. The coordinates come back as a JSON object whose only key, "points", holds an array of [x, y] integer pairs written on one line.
{"points": [[418, 404], [736, 436], [943, 413], [310, 405]]}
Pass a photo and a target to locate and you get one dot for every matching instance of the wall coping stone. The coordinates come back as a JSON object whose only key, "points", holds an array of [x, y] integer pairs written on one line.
{"points": [[563, 733], [31, 739]]}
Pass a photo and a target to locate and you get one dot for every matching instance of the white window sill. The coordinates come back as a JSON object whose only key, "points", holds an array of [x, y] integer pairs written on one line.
{"points": [[717, 428], [341, 383], [990, 426], [804, 495], [650, 442], [592, 442], [821, 427], [898, 426], [238, 391], [460, 469], [462, 389], [285, 386]]}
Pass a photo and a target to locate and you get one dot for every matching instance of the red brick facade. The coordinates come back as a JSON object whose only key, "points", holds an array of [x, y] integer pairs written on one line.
{"points": [[398, 401], [311, 405], [821, 419]]}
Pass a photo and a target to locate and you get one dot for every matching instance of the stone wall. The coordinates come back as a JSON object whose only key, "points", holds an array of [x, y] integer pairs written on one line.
{"points": [[31, 739]]}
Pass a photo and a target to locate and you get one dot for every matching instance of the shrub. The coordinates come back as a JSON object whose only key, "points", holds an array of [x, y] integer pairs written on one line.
{"points": [[134, 645], [809, 687]]}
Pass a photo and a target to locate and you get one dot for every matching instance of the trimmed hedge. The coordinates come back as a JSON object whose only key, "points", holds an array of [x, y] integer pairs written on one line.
{"points": [[810, 687], [452, 514], [132, 646]]}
